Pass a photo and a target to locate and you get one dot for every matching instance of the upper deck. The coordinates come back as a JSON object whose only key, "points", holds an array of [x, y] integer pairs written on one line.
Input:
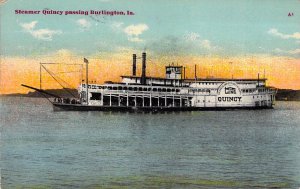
{"points": [[194, 83]]}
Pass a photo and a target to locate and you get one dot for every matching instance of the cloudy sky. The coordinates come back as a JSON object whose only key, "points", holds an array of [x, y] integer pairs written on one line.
{"points": [[195, 27], [224, 38]]}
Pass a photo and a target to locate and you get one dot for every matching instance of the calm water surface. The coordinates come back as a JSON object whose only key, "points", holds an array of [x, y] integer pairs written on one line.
{"points": [[208, 149]]}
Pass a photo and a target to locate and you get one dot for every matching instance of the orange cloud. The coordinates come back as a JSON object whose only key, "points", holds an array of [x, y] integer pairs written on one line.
{"points": [[282, 72]]}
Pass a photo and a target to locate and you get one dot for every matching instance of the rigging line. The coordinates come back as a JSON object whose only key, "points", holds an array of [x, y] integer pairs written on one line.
{"points": [[59, 82], [60, 79], [66, 83], [68, 72], [60, 63], [47, 98]]}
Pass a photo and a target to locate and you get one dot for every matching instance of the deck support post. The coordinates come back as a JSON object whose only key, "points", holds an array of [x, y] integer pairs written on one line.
{"points": [[119, 100], [173, 101], [127, 103], [135, 100], [180, 101], [109, 99], [158, 101], [166, 100], [143, 100], [150, 99], [102, 97]]}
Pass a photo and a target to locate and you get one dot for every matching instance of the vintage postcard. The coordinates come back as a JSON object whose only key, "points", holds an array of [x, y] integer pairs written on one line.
{"points": [[150, 94]]}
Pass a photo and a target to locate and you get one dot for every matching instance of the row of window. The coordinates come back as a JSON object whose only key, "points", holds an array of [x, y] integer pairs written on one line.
{"points": [[218, 83], [248, 90], [272, 97], [264, 90], [199, 90], [154, 89], [207, 83], [254, 90]]}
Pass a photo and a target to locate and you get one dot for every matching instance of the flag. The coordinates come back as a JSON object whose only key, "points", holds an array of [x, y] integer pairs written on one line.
{"points": [[85, 60]]}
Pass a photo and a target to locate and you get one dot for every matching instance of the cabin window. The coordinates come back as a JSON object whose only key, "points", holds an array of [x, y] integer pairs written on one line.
{"points": [[135, 89], [159, 89], [149, 89], [109, 88], [154, 89], [95, 96], [164, 89], [130, 88], [144, 89], [119, 88], [173, 90], [177, 90], [168, 90], [140, 89], [114, 88], [125, 88]]}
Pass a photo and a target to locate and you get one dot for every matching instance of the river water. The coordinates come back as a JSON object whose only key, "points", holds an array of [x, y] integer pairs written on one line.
{"points": [[41, 148]]}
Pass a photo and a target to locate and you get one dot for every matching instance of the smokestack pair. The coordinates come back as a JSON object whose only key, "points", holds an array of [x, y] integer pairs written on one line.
{"points": [[143, 77]]}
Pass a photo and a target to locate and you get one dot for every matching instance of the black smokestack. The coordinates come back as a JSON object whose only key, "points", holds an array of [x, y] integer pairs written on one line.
{"points": [[134, 64], [143, 78]]}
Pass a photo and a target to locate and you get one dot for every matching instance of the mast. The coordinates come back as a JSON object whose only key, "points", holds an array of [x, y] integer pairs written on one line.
{"points": [[40, 75], [87, 80]]}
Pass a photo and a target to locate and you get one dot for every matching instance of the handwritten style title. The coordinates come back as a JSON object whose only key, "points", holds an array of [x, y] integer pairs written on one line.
{"points": [[75, 12]]}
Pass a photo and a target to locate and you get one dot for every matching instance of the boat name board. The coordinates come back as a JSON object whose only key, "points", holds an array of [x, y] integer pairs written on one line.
{"points": [[229, 99]]}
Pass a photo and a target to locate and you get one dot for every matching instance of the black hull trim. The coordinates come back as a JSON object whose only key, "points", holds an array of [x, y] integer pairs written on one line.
{"points": [[78, 107]]}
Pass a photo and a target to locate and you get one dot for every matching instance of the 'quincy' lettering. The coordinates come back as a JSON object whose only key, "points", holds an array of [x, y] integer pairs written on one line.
{"points": [[229, 99]]}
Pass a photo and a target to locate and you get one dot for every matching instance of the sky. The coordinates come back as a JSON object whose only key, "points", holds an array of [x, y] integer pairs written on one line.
{"points": [[181, 31]]}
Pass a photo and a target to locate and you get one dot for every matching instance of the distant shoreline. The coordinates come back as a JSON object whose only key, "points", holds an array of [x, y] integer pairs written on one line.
{"points": [[282, 94]]}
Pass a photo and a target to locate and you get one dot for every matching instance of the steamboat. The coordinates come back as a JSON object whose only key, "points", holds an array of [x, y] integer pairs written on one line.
{"points": [[175, 92]]}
